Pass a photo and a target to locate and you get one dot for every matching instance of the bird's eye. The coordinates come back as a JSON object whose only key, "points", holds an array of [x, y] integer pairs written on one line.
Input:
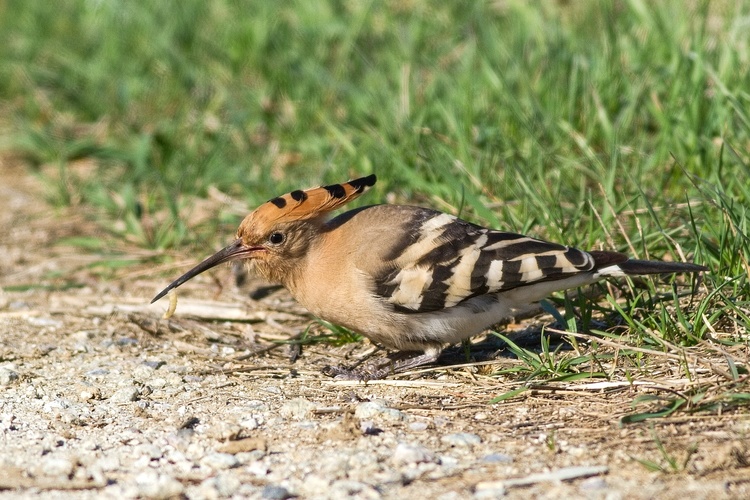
{"points": [[276, 238]]}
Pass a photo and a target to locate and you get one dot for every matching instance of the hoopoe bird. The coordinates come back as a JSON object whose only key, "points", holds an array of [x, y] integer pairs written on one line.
{"points": [[406, 277]]}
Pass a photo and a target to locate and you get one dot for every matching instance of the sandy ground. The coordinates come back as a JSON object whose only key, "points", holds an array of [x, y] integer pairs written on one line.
{"points": [[101, 397]]}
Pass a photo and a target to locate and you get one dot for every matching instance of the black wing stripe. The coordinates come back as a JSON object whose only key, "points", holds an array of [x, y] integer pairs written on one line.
{"points": [[435, 295], [579, 258], [528, 248], [446, 261]]}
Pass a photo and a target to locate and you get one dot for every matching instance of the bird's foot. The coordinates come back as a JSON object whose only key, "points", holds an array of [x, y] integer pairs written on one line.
{"points": [[376, 371], [343, 373]]}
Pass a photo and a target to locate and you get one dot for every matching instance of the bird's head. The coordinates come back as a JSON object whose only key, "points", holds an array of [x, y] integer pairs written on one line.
{"points": [[276, 234]]}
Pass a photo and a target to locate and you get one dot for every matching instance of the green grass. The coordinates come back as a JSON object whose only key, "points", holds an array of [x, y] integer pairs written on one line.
{"points": [[619, 125]]}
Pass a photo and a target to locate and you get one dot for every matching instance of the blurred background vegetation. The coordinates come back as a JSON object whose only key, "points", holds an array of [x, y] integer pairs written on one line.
{"points": [[621, 124]]}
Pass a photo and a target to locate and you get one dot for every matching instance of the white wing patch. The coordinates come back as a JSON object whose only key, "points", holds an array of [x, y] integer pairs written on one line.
{"points": [[494, 275], [432, 225], [565, 266], [506, 243], [460, 282], [412, 283], [528, 265], [530, 269], [429, 232]]}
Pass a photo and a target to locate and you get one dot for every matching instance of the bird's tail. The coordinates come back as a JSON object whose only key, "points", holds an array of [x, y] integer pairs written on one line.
{"points": [[617, 264], [634, 267]]}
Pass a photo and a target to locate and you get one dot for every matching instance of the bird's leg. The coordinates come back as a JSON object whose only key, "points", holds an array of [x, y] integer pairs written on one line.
{"points": [[382, 370], [411, 362]]}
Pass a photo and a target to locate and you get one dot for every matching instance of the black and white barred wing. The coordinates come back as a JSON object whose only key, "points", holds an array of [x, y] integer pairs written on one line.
{"points": [[446, 261]]}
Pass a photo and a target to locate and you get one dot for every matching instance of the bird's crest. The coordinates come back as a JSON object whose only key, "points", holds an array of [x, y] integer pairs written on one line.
{"points": [[310, 203]]}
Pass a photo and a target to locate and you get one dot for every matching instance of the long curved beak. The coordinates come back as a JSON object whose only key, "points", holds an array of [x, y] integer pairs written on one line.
{"points": [[237, 250]]}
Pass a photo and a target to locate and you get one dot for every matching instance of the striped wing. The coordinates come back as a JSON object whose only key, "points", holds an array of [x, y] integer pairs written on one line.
{"points": [[448, 260]]}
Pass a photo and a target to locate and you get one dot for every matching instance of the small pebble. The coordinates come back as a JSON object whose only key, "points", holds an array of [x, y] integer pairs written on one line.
{"points": [[273, 492], [158, 486], [592, 484], [224, 431], [6, 422], [314, 484], [576, 451], [497, 458], [447, 461], [89, 445], [368, 427], [451, 495], [255, 404], [441, 421], [224, 485], [155, 365], [418, 426], [406, 454], [8, 376], [142, 372], [249, 424], [220, 461], [126, 341], [109, 462], [125, 395], [151, 451], [87, 393], [82, 335], [372, 410], [489, 489], [157, 383], [54, 406], [56, 466], [461, 439], [97, 372], [297, 408], [257, 468], [53, 323], [348, 489]]}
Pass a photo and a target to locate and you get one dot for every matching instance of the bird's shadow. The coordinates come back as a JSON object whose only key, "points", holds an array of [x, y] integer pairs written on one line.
{"points": [[493, 347]]}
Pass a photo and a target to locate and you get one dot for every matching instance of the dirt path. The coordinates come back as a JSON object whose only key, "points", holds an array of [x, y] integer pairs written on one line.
{"points": [[99, 396]]}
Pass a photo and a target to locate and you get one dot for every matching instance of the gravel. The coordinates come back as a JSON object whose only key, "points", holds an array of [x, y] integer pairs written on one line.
{"points": [[85, 417]]}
